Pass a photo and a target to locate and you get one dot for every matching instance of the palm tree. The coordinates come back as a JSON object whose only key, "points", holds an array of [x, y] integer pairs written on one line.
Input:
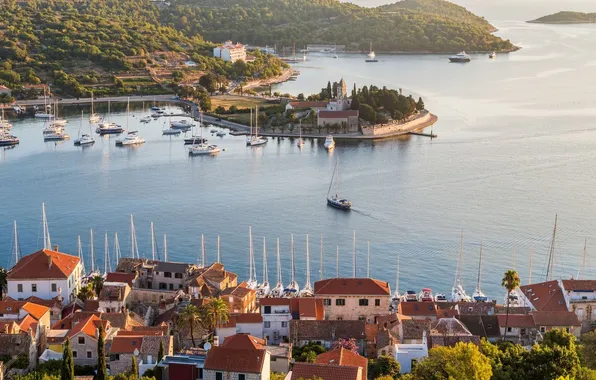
{"points": [[86, 293], [191, 318], [3, 282], [215, 313], [97, 284], [510, 282]]}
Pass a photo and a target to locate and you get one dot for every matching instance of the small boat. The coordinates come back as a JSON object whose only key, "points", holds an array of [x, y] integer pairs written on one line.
{"points": [[426, 295], [335, 201], [195, 140], [203, 150], [335, 56], [131, 138], [221, 134], [52, 128], [255, 140], [109, 128], [155, 108], [145, 119], [4, 124], [460, 58], [410, 296], [264, 289], [84, 139], [329, 143], [181, 124], [213, 131], [56, 136], [44, 114], [7, 139], [300, 142], [371, 55], [478, 294], [171, 132], [307, 290], [440, 297], [93, 117], [492, 55], [278, 290]]}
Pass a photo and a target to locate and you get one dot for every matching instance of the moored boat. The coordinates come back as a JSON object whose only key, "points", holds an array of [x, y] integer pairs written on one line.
{"points": [[335, 200], [181, 124], [131, 138], [492, 55], [171, 132], [7, 139], [460, 58], [329, 143], [426, 295]]}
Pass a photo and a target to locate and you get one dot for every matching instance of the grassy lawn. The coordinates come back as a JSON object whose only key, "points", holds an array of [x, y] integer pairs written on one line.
{"points": [[241, 102]]}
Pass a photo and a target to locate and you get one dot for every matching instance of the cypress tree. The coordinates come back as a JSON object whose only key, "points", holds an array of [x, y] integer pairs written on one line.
{"points": [[101, 356], [134, 369], [329, 93], [67, 372], [161, 351]]}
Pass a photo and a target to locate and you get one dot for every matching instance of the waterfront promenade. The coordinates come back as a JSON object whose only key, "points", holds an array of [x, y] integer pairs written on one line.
{"points": [[113, 99]]}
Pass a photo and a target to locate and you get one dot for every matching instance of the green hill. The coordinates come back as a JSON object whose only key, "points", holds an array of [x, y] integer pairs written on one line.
{"points": [[567, 18]]}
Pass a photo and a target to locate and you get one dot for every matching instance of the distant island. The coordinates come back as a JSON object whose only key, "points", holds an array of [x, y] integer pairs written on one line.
{"points": [[567, 18]]}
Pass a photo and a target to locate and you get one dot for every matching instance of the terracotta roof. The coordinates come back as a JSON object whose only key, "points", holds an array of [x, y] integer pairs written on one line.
{"points": [[517, 320], [54, 302], [11, 307], [274, 301], [484, 326], [337, 114], [331, 330], [580, 285], [44, 264], [449, 327], [418, 309], [481, 308], [352, 286], [502, 309], [126, 344], [244, 342], [28, 322], [555, 318], [240, 291], [325, 372], [545, 296], [36, 311], [343, 357], [412, 329], [371, 330], [127, 278], [235, 360], [307, 308], [91, 305], [88, 326], [234, 319]]}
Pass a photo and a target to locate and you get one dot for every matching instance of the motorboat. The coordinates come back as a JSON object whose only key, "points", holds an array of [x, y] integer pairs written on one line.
{"points": [[426, 295], [84, 140], [51, 129], [213, 131], [155, 108], [131, 138], [329, 143], [460, 58], [56, 136], [145, 119], [221, 134], [195, 140], [203, 150], [171, 132], [7, 139], [410, 296], [109, 128], [61, 122], [181, 124], [492, 55], [255, 141], [4, 124], [439, 297]]}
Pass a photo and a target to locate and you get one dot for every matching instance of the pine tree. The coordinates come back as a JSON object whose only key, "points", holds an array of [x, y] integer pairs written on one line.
{"points": [[67, 372], [134, 369], [101, 356]]}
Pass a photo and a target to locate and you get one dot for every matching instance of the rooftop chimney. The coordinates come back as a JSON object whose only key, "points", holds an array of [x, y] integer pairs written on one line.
{"points": [[49, 261]]}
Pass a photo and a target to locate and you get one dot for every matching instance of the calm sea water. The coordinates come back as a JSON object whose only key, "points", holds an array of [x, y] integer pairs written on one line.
{"points": [[515, 147]]}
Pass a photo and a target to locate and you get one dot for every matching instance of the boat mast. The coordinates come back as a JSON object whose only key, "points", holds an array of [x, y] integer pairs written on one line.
{"points": [[583, 264], [397, 278], [551, 256], [368, 262], [530, 274], [80, 252], [251, 121], [265, 274], [218, 253], [292, 255], [256, 122], [106, 257], [165, 248], [47, 242], [16, 243], [461, 248], [116, 248], [249, 253], [354, 255], [92, 251], [307, 285], [478, 289], [279, 280], [321, 260], [202, 250], [132, 229], [152, 242], [337, 261]]}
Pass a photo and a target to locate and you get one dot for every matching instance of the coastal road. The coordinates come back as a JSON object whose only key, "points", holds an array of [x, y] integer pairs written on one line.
{"points": [[115, 99]]}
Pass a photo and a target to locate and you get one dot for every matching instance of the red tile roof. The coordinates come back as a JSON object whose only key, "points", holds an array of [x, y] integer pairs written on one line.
{"points": [[88, 326], [418, 309], [555, 318], [517, 320], [274, 301], [352, 287], [11, 307], [325, 372], [44, 264], [91, 305], [127, 278], [579, 285], [337, 114], [244, 342], [126, 344], [308, 308], [28, 322], [35, 310], [243, 318], [545, 296], [235, 360], [343, 357]]}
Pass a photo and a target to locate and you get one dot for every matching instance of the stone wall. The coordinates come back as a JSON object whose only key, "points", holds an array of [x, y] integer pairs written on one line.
{"points": [[352, 309], [395, 127]]}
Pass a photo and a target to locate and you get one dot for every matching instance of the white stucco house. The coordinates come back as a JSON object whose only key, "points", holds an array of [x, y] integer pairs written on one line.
{"points": [[408, 354], [45, 274], [230, 52]]}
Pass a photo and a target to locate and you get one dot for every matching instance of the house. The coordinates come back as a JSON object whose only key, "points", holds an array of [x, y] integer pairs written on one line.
{"points": [[157, 275], [343, 357], [178, 367], [144, 347], [4, 90], [328, 332], [582, 298], [324, 372], [230, 52], [128, 278], [55, 305], [518, 328], [407, 354], [449, 332], [353, 298], [246, 323], [278, 312], [565, 320], [45, 274], [83, 338], [240, 299], [315, 106], [210, 281], [544, 296], [113, 297], [418, 310], [484, 326], [240, 357], [412, 330], [347, 118]]}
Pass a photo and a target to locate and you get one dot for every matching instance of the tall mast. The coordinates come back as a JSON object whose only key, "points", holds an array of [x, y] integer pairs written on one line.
{"points": [[514, 255], [80, 252], [218, 252], [583, 264], [47, 242], [265, 274], [107, 266], [117, 248], [16, 243], [165, 248], [152, 242], [368, 262], [251, 121], [279, 280], [551, 256], [91, 249], [461, 249], [321, 259], [397, 278], [530, 274], [480, 269], [292, 253], [307, 285], [256, 121], [250, 253], [354, 255], [203, 250], [337, 261], [132, 237]]}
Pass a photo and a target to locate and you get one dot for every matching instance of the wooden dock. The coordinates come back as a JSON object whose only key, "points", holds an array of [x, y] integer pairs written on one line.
{"points": [[431, 135]]}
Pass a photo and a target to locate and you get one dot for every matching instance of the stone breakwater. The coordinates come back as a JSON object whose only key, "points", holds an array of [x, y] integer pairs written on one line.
{"points": [[418, 122]]}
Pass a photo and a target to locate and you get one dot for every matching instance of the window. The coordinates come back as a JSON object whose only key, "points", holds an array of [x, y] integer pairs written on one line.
{"points": [[179, 286], [508, 329], [218, 375], [167, 274], [81, 340], [361, 318], [284, 324], [377, 302], [523, 331], [20, 290], [542, 329], [171, 286], [54, 288], [580, 313], [74, 354], [340, 302], [177, 275], [163, 286], [114, 357], [267, 310], [340, 318], [363, 302], [241, 376], [89, 355], [34, 288], [267, 324], [327, 302]]}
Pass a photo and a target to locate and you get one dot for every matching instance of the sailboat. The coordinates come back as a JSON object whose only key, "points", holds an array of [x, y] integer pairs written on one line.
{"points": [[264, 289], [478, 294], [292, 289], [300, 142], [202, 148], [107, 264], [278, 291], [4, 124], [132, 137], [255, 140], [44, 114], [93, 117], [107, 127], [93, 272], [334, 200], [396, 298], [84, 139], [134, 249], [16, 247], [252, 280], [458, 293], [371, 55], [307, 291]]}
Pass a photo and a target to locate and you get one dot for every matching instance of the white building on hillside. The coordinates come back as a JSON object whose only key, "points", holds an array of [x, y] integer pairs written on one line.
{"points": [[45, 274], [230, 52]]}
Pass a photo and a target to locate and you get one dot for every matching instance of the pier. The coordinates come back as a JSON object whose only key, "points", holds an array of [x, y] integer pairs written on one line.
{"points": [[431, 135]]}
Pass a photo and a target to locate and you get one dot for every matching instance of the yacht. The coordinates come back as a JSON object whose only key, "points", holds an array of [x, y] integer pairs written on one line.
{"points": [[7, 139], [155, 108], [171, 132], [42, 115], [195, 140], [335, 56], [410, 296], [426, 295], [59, 121], [181, 124], [460, 57], [492, 55], [145, 119], [221, 134], [93, 117], [440, 297], [56, 136], [203, 150], [84, 140], [51, 129], [329, 143], [255, 140], [131, 138], [335, 200], [109, 128]]}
